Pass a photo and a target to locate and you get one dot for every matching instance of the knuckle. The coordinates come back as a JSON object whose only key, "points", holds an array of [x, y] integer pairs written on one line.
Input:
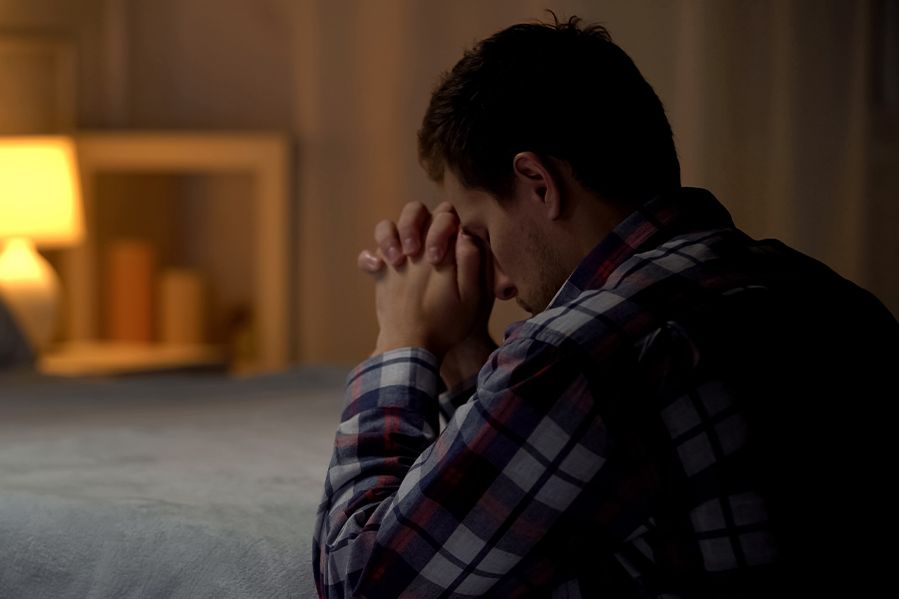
{"points": [[383, 228], [412, 217], [444, 207], [446, 225], [467, 251], [387, 237], [413, 210]]}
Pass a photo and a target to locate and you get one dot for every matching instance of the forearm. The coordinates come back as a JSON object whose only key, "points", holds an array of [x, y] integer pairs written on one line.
{"points": [[388, 520], [464, 361], [390, 418]]}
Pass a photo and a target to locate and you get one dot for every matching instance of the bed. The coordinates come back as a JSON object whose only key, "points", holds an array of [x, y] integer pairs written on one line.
{"points": [[184, 487]]}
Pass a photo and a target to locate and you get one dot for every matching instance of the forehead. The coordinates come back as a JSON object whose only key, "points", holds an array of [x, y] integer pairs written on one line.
{"points": [[469, 203]]}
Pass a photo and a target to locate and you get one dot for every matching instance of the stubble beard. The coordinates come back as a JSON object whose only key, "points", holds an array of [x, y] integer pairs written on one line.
{"points": [[548, 276], [524, 306]]}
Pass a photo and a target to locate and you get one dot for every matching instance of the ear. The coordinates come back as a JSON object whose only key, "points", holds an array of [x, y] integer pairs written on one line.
{"points": [[536, 180]]}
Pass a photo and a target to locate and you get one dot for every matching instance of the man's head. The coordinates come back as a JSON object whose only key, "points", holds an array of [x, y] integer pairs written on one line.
{"points": [[547, 107]]}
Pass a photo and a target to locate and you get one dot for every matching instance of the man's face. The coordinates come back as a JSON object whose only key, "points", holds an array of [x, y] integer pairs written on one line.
{"points": [[525, 267]]}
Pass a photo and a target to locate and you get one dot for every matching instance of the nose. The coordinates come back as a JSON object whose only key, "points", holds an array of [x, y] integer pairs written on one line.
{"points": [[503, 287]]}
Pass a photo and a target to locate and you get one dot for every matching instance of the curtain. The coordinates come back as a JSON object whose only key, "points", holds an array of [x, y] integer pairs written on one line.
{"points": [[767, 100]]}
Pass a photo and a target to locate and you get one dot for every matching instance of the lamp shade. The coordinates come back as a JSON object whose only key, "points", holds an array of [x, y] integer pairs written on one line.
{"points": [[40, 191]]}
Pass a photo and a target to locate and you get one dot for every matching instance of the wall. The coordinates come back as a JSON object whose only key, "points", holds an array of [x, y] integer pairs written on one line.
{"points": [[767, 100], [85, 25], [362, 80]]}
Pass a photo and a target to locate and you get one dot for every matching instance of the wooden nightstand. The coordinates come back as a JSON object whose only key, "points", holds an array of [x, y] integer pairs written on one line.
{"points": [[115, 359], [189, 157]]}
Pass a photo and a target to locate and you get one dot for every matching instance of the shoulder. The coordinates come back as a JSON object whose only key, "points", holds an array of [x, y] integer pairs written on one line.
{"points": [[639, 295]]}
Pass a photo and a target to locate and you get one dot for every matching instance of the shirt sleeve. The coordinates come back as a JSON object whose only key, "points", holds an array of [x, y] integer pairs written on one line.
{"points": [[452, 398], [410, 514]]}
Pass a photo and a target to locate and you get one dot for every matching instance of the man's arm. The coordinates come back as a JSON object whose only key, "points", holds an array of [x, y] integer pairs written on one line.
{"points": [[389, 419], [407, 513], [419, 232]]}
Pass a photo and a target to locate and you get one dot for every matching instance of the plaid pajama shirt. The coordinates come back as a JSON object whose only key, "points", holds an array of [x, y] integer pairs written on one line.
{"points": [[600, 452]]}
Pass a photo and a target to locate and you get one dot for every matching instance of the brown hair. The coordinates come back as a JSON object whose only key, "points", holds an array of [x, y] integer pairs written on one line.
{"points": [[562, 90]]}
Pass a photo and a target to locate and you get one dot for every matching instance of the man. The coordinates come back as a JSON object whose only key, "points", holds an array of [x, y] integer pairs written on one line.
{"points": [[690, 412]]}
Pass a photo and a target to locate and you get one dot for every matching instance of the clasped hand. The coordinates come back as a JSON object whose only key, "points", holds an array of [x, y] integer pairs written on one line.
{"points": [[432, 285]]}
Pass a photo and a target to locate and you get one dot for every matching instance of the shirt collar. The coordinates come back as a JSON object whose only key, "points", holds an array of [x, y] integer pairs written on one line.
{"points": [[677, 213]]}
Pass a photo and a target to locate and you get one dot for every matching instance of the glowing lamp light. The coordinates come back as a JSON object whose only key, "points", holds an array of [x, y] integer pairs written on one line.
{"points": [[40, 206]]}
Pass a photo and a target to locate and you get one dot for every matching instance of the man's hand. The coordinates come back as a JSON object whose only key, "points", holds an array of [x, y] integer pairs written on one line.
{"points": [[416, 232], [434, 307], [420, 241]]}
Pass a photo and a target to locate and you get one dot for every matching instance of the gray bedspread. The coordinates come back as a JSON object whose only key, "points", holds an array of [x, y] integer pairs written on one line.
{"points": [[165, 487]]}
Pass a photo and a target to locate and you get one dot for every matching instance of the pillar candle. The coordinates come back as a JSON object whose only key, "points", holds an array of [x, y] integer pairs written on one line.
{"points": [[130, 270]]}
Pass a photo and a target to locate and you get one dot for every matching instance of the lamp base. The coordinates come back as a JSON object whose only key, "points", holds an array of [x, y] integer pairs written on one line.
{"points": [[30, 289]]}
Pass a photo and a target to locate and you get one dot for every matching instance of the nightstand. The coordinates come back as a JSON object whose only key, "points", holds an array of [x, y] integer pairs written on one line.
{"points": [[172, 189], [117, 359]]}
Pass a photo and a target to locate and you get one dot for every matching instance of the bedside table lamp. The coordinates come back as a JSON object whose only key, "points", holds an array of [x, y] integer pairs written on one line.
{"points": [[40, 205]]}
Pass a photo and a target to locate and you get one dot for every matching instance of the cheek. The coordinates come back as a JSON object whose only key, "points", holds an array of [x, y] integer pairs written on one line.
{"points": [[506, 259], [508, 239], [513, 246]]}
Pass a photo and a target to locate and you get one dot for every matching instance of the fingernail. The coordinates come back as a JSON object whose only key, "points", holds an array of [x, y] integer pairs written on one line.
{"points": [[393, 253], [371, 262], [410, 245], [434, 253]]}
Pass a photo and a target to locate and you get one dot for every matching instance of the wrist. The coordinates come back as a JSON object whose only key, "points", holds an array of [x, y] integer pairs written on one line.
{"points": [[466, 359], [386, 343]]}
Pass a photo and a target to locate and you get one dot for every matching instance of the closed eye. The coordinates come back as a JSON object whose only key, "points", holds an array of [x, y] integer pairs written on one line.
{"points": [[478, 233]]}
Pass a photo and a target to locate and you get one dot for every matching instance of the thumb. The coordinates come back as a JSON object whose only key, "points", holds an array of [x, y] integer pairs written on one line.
{"points": [[369, 262], [468, 270]]}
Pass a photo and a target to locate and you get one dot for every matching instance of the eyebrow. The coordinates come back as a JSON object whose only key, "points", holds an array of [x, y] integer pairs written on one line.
{"points": [[481, 238]]}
